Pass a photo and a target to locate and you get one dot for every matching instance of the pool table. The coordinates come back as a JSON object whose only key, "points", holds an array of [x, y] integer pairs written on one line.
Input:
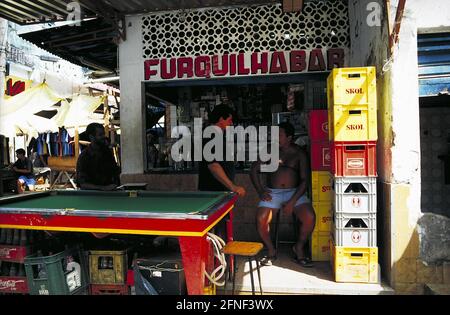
{"points": [[186, 215]]}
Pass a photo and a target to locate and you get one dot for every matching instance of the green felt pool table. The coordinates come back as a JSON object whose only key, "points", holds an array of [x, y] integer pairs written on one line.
{"points": [[186, 215]]}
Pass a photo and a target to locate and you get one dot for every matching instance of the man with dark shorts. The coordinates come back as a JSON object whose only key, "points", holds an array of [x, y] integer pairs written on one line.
{"points": [[285, 191]]}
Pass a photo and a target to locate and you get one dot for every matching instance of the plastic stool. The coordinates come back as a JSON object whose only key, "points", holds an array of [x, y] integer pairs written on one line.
{"points": [[245, 249]]}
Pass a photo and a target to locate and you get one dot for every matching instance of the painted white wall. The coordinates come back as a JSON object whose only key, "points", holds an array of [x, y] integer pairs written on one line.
{"points": [[429, 16], [131, 117]]}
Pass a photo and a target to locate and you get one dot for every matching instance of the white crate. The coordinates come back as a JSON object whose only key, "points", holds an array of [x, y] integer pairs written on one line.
{"points": [[355, 194], [348, 220], [348, 234]]}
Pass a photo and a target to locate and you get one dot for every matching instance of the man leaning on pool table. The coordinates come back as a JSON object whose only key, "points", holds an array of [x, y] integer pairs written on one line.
{"points": [[96, 167], [219, 175]]}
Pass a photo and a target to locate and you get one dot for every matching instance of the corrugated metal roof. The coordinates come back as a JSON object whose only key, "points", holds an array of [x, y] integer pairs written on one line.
{"points": [[91, 44], [41, 11]]}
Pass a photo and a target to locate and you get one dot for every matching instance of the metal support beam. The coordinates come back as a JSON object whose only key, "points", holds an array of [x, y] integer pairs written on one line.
{"points": [[18, 9], [78, 36]]}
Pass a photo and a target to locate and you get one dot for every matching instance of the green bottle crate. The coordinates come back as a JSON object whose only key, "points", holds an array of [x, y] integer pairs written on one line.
{"points": [[64, 273]]}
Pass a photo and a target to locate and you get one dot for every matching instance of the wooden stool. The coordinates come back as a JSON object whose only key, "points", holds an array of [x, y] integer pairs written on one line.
{"points": [[246, 249]]}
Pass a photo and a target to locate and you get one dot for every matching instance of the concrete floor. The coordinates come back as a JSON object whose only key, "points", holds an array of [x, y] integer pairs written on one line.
{"points": [[287, 277]]}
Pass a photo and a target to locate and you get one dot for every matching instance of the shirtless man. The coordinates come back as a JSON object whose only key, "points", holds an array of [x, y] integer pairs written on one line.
{"points": [[285, 190]]}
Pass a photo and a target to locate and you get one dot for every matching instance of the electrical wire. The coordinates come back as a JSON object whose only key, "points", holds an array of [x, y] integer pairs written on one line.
{"points": [[217, 273]]}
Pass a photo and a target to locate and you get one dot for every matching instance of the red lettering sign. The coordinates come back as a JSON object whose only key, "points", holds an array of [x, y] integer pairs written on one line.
{"points": [[316, 61], [185, 67], [215, 66], [232, 64], [202, 67], [242, 70], [335, 58], [276, 62], [14, 89], [298, 60], [259, 65], [148, 70], [168, 74]]}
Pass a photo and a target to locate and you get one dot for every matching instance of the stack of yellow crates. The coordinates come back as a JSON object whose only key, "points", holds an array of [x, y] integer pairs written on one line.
{"points": [[352, 117]]}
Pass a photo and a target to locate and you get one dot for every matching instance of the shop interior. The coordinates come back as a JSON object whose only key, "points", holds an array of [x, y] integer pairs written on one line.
{"points": [[254, 102]]}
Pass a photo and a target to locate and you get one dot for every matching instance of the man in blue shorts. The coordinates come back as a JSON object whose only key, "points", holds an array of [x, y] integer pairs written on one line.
{"points": [[285, 191], [24, 171]]}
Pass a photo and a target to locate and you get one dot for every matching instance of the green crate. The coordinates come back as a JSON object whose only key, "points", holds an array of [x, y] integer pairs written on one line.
{"points": [[51, 275]]}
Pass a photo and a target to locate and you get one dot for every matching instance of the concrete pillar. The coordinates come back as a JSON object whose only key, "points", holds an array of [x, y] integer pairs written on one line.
{"points": [[131, 106]]}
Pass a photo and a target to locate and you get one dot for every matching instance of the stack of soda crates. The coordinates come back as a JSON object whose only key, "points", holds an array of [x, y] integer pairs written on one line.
{"points": [[320, 184], [108, 271], [15, 245], [352, 115], [57, 269]]}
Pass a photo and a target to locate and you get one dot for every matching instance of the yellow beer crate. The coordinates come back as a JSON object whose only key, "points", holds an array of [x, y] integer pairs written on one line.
{"points": [[108, 266], [321, 182], [352, 104], [324, 216], [320, 246], [352, 123], [352, 86], [352, 264]]}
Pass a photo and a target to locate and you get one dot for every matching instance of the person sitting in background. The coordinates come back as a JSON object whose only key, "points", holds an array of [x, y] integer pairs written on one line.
{"points": [[24, 170], [96, 167]]}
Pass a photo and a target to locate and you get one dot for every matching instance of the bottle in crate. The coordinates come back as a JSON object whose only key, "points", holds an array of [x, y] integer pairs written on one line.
{"points": [[50, 275]]}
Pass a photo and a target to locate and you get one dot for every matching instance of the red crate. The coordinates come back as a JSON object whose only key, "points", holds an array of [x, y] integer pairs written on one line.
{"points": [[130, 277], [354, 158], [14, 253], [318, 125], [320, 156], [13, 285], [109, 289]]}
